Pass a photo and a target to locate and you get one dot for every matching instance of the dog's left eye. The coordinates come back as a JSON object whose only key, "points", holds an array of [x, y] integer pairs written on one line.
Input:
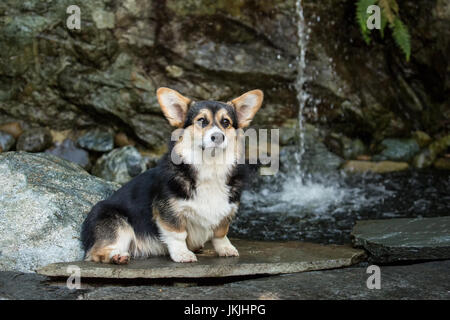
{"points": [[203, 122], [225, 123]]}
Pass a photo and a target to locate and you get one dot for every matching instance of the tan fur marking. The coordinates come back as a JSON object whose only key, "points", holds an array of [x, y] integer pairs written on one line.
{"points": [[222, 229], [203, 113], [223, 114], [173, 105], [167, 226], [246, 106], [99, 253]]}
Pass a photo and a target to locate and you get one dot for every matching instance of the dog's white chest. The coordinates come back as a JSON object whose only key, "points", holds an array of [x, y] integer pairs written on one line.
{"points": [[209, 204]]}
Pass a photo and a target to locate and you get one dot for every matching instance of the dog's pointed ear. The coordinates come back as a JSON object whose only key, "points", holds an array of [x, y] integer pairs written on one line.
{"points": [[246, 106], [173, 105]]}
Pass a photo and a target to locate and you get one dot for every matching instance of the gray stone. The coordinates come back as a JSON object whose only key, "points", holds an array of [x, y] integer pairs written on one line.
{"points": [[120, 165], [398, 150], [344, 146], [34, 140], [421, 281], [30, 286], [442, 164], [68, 151], [316, 157], [7, 141], [424, 281], [255, 258], [360, 166], [43, 202], [429, 155], [404, 239], [97, 140]]}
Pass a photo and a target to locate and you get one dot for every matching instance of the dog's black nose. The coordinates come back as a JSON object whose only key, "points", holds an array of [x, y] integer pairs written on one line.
{"points": [[217, 137]]}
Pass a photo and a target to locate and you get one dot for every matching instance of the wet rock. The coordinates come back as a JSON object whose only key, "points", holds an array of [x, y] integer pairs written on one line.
{"points": [[364, 157], [43, 202], [442, 164], [67, 150], [377, 167], [34, 140], [429, 155], [174, 71], [13, 128], [345, 147], [316, 156], [422, 138], [59, 136], [398, 150], [97, 140], [120, 165], [31, 286], [7, 141], [254, 258], [151, 158], [397, 283], [395, 240], [121, 140], [103, 19]]}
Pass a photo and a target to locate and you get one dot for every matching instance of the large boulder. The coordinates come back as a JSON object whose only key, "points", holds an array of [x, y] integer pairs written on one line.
{"points": [[43, 202]]}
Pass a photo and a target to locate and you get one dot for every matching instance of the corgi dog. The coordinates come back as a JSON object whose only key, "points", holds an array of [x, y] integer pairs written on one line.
{"points": [[189, 198]]}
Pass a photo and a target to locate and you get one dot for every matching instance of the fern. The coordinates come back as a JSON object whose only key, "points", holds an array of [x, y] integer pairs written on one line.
{"points": [[389, 8], [362, 16], [402, 37], [389, 17]]}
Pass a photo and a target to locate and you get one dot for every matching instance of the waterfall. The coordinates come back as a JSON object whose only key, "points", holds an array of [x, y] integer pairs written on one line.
{"points": [[302, 96]]}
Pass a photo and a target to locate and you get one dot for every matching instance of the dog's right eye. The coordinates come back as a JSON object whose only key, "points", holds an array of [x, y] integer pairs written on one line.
{"points": [[203, 122]]}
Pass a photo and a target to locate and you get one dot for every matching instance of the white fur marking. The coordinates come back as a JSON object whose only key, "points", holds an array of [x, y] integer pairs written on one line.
{"points": [[224, 248], [176, 244]]}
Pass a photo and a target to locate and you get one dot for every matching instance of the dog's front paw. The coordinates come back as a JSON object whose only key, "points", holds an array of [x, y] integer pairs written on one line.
{"points": [[122, 258], [227, 251], [184, 256]]}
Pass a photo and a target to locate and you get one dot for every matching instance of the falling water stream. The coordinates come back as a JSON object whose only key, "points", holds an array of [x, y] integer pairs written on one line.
{"points": [[295, 204]]}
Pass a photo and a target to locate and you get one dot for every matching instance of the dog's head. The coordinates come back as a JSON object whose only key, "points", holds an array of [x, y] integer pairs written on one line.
{"points": [[212, 124]]}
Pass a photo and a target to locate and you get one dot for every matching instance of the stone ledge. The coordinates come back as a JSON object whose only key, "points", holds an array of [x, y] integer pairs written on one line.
{"points": [[404, 239], [256, 257]]}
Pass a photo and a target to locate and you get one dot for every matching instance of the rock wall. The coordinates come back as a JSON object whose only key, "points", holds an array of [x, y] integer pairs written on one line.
{"points": [[107, 73]]}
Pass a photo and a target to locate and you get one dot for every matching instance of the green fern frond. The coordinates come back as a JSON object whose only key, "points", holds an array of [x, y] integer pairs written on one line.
{"points": [[362, 16], [402, 37], [389, 9]]}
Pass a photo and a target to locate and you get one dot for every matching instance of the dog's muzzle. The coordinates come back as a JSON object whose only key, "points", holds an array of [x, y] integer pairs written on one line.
{"points": [[214, 138]]}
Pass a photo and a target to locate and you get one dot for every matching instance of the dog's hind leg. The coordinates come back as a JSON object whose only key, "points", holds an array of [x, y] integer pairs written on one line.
{"points": [[114, 236]]}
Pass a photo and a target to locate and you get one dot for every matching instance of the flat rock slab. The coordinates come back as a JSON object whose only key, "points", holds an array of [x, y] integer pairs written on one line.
{"points": [[255, 258], [395, 240]]}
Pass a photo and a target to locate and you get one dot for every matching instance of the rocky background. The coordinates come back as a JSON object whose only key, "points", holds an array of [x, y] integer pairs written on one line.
{"points": [[88, 95], [104, 76]]}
